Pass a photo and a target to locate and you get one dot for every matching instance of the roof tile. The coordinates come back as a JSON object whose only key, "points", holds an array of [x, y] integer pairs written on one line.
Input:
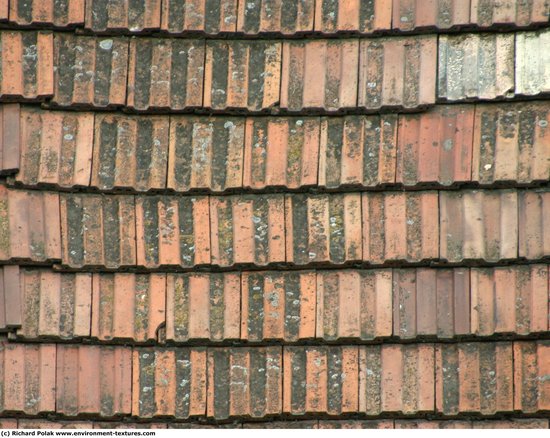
{"points": [[68, 13], [306, 424], [514, 423], [332, 16], [287, 17], [532, 60], [117, 15], [419, 14], [486, 13], [10, 144], [356, 424], [534, 223], [531, 384], [205, 16], [10, 298], [8, 423], [433, 424]]}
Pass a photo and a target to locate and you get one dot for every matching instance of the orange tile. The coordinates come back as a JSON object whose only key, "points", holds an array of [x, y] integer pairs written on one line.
{"points": [[275, 17], [531, 386], [352, 16], [47, 12], [119, 15], [185, 16]]}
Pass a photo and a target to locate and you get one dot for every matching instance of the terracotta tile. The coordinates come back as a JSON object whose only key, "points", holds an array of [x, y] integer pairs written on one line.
{"points": [[307, 424], [98, 230], [244, 382], [400, 226], [27, 65], [46, 424], [532, 61], [354, 304], [169, 382], [111, 425], [356, 424], [11, 312], [278, 305], [204, 16], [286, 17], [165, 74], [55, 305], [8, 423], [130, 152], [479, 225], [120, 15], [69, 13], [93, 380], [358, 150], [77, 57], [515, 423], [128, 306], [247, 230], [4, 10], [233, 425], [320, 380], [10, 144], [490, 66], [242, 75], [319, 75], [323, 228], [28, 379], [436, 146], [396, 378], [433, 424], [206, 153], [281, 151], [474, 377], [510, 143], [397, 72], [203, 306], [419, 14], [452, 302], [534, 217], [56, 148], [531, 384], [488, 13], [172, 231], [352, 16]]}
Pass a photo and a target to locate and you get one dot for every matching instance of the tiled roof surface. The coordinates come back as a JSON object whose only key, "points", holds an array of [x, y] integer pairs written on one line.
{"points": [[274, 214]]}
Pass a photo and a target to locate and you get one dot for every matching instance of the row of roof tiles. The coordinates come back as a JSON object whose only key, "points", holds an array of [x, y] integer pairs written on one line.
{"points": [[323, 75], [447, 145], [286, 17], [112, 231], [221, 383], [276, 305]]}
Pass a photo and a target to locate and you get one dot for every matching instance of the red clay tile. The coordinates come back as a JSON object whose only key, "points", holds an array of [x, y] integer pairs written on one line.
{"points": [[356, 424], [436, 146], [69, 13], [10, 144], [397, 72], [511, 143], [242, 75], [128, 306], [206, 153], [8, 423], [400, 226], [474, 377], [172, 231], [320, 380], [165, 74], [4, 10], [323, 228], [121, 15], [531, 371], [433, 424], [203, 306], [420, 14], [244, 382], [358, 150], [488, 13], [46, 424], [27, 377], [287, 17], [130, 152], [111, 425], [90, 71], [98, 230], [11, 313], [278, 305], [514, 423], [354, 304], [94, 380], [396, 378], [281, 151], [532, 61], [319, 75], [202, 425], [169, 382], [56, 148], [534, 224], [479, 225], [476, 66], [452, 301], [247, 229], [352, 16], [55, 305], [306, 424], [204, 16]]}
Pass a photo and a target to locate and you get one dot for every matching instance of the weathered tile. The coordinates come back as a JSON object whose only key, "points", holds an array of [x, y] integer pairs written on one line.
{"points": [[10, 141], [433, 424], [244, 382], [531, 370], [4, 10], [358, 150], [356, 424], [165, 74], [205, 16], [242, 75], [126, 425], [47, 424], [534, 224], [98, 230], [476, 66], [130, 152], [203, 306], [320, 380], [319, 75], [286, 17], [488, 13], [9, 423], [363, 16], [281, 151], [172, 231], [514, 423], [397, 72], [305, 424], [121, 15], [11, 311], [169, 382], [128, 306], [420, 14], [474, 377], [278, 305], [532, 62], [354, 304], [479, 225], [206, 153], [64, 13]]}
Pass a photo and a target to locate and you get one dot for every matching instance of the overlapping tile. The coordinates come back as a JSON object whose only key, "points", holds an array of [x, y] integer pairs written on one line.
{"points": [[10, 145], [411, 15], [199, 16], [119, 15], [532, 60], [10, 299], [287, 17], [352, 16], [531, 370], [534, 218], [66, 13], [487, 13]]}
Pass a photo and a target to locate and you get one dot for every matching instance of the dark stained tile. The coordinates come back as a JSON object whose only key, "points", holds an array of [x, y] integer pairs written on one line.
{"points": [[363, 16], [56, 13], [534, 217], [488, 13], [531, 370], [356, 424], [10, 140], [287, 17], [121, 15], [410, 15], [433, 424], [205, 16]]}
